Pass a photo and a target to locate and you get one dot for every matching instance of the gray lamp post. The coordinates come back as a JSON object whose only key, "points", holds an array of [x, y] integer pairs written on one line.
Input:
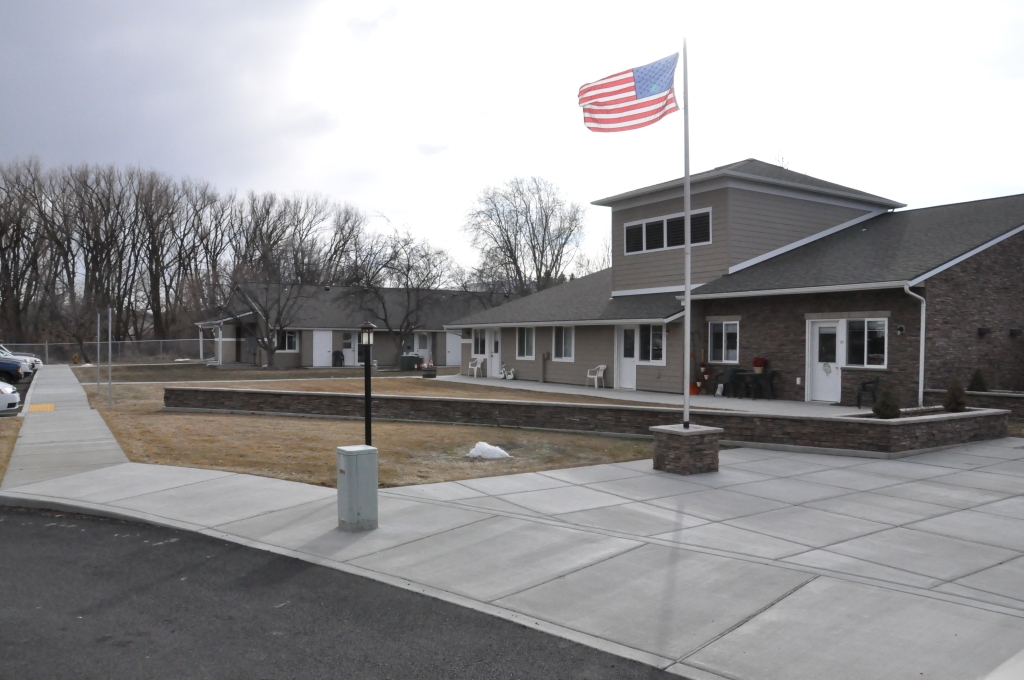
{"points": [[366, 340]]}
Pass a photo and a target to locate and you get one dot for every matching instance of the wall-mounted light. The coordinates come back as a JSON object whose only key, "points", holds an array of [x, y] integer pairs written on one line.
{"points": [[900, 330], [982, 332], [1015, 332]]}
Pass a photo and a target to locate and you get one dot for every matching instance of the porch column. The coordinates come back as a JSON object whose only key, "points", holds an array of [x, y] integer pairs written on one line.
{"points": [[220, 344], [200, 343]]}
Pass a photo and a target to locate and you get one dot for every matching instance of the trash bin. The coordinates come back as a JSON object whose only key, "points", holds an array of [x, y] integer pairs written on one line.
{"points": [[338, 358], [409, 362]]}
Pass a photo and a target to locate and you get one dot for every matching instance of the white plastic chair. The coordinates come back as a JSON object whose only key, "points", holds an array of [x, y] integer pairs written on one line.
{"points": [[596, 374], [475, 365]]}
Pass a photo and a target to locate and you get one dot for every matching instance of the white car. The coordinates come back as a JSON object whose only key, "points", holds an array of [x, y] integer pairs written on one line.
{"points": [[9, 397]]}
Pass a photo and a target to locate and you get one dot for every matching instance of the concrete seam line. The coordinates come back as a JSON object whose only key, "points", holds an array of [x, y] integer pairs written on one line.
{"points": [[639, 544], [745, 620]]}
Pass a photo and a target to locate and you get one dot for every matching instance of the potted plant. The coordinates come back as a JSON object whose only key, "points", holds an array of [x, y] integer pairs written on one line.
{"points": [[759, 364]]}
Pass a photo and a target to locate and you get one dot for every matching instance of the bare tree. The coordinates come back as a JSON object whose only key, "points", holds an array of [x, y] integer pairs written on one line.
{"points": [[527, 235], [595, 262]]}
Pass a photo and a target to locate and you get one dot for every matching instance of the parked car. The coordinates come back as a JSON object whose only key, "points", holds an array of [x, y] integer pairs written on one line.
{"points": [[11, 370], [9, 397], [33, 361]]}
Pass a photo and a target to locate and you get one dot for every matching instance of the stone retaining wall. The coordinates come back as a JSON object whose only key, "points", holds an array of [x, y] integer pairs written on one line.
{"points": [[1011, 401], [840, 433]]}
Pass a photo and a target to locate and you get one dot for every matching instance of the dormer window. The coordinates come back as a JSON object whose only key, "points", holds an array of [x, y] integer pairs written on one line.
{"points": [[668, 232]]}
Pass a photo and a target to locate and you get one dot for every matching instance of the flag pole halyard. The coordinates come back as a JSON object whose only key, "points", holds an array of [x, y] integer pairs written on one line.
{"points": [[686, 209]]}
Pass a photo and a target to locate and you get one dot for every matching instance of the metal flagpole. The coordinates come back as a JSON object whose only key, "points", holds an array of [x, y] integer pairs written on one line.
{"points": [[110, 359], [686, 210], [99, 366]]}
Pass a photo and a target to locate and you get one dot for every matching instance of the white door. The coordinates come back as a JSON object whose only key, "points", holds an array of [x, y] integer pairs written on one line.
{"points": [[423, 347], [626, 340], [825, 380], [494, 353], [453, 349], [322, 346], [349, 350]]}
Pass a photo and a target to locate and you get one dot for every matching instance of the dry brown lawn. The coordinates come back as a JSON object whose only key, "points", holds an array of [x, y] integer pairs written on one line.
{"points": [[9, 428], [1015, 428], [185, 372], [302, 449]]}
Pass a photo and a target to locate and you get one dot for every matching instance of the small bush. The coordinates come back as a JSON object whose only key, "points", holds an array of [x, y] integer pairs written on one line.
{"points": [[956, 398], [977, 383], [887, 406]]}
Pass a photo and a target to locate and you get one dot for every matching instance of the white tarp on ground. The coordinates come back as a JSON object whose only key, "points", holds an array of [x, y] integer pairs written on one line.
{"points": [[485, 450]]}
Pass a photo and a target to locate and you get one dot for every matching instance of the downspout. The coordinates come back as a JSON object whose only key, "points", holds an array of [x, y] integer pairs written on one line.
{"points": [[920, 359]]}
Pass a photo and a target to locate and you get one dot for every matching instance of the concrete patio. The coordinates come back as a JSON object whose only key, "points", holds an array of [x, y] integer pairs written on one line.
{"points": [[778, 407], [781, 565]]}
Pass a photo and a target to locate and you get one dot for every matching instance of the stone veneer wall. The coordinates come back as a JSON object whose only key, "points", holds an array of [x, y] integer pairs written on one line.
{"points": [[686, 452], [859, 434], [983, 291], [1014, 403]]}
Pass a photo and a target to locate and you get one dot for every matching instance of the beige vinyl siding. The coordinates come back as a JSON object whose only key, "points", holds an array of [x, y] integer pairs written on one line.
{"points": [[667, 378], [467, 356], [438, 348], [665, 267], [305, 348], [760, 222], [229, 340], [384, 350], [593, 345]]}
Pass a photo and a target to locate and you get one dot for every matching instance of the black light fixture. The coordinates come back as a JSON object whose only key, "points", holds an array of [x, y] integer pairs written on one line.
{"points": [[1015, 332], [366, 340], [982, 332]]}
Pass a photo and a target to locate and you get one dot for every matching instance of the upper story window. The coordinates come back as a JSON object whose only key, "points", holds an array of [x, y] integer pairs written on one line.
{"points": [[524, 343], [865, 342], [724, 342], [668, 232]]}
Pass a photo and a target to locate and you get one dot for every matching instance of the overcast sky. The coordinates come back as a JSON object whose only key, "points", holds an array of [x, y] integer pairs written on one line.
{"points": [[408, 110]]}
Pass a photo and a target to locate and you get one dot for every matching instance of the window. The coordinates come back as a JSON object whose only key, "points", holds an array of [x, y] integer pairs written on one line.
{"points": [[346, 341], [724, 342], [865, 342], [669, 232], [634, 238], [424, 341], [524, 343], [288, 341], [479, 342], [563, 343], [652, 343]]}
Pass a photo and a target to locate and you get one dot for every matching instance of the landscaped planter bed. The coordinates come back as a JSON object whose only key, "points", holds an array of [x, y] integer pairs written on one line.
{"points": [[842, 435], [1011, 401]]}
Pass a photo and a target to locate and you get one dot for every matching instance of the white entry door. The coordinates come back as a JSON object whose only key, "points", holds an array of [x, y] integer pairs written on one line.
{"points": [[825, 379], [322, 347], [453, 349], [349, 349], [494, 353], [627, 341]]}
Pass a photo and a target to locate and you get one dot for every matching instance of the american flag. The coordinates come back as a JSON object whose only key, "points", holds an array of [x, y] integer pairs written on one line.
{"points": [[632, 99]]}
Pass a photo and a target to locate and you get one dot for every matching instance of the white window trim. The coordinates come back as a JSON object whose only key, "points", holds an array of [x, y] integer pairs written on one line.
{"points": [[664, 231], [565, 359], [472, 339], [664, 346], [846, 338], [298, 344], [724, 361], [533, 354]]}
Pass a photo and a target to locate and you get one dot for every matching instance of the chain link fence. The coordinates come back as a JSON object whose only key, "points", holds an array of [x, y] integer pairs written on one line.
{"points": [[122, 351]]}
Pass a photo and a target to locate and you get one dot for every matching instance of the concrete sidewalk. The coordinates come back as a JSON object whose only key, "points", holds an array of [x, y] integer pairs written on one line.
{"points": [[70, 439], [781, 565], [775, 407]]}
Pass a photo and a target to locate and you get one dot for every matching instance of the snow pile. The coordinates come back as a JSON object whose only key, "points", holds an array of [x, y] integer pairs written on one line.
{"points": [[485, 450]]}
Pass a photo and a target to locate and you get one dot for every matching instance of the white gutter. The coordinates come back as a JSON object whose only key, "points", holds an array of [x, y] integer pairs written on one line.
{"points": [[920, 358], [799, 291]]}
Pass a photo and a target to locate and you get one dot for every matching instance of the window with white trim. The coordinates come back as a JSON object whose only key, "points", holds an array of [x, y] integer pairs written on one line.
{"points": [[724, 342], [524, 343], [652, 344], [866, 342], [479, 342], [288, 341], [563, 343], [668, 232]]}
